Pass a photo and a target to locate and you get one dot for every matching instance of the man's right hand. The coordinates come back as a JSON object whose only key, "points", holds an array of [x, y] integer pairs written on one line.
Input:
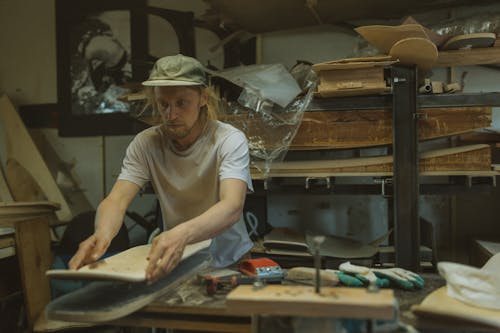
{"points": [[89, 251]]}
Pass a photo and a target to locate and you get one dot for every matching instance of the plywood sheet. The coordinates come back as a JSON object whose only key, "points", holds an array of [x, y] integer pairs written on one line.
{"points": [[303, 301]]}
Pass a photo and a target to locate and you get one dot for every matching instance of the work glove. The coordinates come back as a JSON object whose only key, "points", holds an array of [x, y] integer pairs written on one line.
{"points": [[357, 276]]}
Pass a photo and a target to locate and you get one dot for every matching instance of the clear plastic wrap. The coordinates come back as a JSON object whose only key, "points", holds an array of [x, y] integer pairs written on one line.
{"points": [[269, 109], [468, 25]]}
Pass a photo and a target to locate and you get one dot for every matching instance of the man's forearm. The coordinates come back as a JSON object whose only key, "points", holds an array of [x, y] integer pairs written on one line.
{"points": [[109, 218], [216, 219]]}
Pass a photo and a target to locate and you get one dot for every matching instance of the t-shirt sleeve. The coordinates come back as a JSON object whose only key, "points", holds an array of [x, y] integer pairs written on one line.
{"points": [[135, 167], [235, 159]]}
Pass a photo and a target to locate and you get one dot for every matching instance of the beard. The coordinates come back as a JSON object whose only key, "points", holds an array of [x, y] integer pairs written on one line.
{"points": [[179, 130]]}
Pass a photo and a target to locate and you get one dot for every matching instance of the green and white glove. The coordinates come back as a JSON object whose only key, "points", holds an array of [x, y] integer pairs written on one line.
{"points": [[358, 276]]}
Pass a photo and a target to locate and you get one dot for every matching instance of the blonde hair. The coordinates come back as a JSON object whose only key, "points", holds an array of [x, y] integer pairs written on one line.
{"points": [[212, 107]]}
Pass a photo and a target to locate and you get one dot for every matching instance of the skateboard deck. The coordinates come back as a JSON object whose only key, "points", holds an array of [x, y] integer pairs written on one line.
{"points": [[129, 265], [415, 51], [470, 41], [102, 301]]}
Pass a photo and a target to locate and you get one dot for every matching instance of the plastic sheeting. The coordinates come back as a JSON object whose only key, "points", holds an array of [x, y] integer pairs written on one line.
{"points": [[270, 107]]}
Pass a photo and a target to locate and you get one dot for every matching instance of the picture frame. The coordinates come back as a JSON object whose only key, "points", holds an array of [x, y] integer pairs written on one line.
{"points": [[102, 52]]}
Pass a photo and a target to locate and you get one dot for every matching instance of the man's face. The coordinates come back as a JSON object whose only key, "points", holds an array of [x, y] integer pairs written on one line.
{"points": [[179, 108]]}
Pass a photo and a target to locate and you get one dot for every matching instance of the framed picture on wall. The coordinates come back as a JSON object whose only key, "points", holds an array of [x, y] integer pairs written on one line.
{"points": [[102, 55]]}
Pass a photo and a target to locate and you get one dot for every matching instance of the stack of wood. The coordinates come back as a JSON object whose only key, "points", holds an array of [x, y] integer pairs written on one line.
{"points": [[371, 128]]}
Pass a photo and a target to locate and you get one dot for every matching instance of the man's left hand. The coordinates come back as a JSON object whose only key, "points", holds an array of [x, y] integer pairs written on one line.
{"points": [[166, 252]]}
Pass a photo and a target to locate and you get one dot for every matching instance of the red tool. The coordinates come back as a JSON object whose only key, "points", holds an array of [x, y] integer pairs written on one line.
{"points": [[263, 268]]}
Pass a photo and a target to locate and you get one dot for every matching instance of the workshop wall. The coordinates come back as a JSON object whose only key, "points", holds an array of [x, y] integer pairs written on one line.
{"points": [[28, 76]]}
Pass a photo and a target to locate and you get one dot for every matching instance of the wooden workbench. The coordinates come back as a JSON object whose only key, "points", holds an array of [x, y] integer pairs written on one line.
{"points": [[200, 312]]}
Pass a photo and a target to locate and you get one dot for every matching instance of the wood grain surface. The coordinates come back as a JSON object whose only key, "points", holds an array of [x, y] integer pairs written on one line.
{"points": [[302, 301], [129, 265], [440, 307]]}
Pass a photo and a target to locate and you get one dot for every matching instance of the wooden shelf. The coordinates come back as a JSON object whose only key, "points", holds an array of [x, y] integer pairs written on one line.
{"points": [[482, 56]]}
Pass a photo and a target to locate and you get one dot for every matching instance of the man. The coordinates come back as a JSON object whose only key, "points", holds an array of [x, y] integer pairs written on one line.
{"points": [[199, 169]]}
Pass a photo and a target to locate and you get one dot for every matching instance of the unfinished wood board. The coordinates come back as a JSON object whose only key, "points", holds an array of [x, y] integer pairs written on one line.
{"points": [[352, 63], [129, 265], [473, 157], [10, 211], [22, 185], [439, 307], [485, 56], [20, 146], [415, 51], [383, 37], [34, 257], [101, 301], [364, 128], [303, 301]]}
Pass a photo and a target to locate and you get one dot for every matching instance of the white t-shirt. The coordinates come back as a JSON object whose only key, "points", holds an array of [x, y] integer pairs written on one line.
{"points": [[187, 182]]}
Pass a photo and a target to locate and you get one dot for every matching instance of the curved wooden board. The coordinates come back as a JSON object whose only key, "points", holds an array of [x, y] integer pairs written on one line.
{"points": [[383, 37], [439, 306], [415, 51], [470, 41], [129, 265], [462, 158]]}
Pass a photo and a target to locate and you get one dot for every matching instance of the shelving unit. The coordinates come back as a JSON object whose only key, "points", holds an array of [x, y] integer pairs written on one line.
{"points": [[403, 182]]}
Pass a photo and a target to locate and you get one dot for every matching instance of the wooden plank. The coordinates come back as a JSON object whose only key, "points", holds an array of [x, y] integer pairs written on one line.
{"points": [[20, 146], [362, 128], [23, 186], [465, 158], [440, 307], [34, 257], [14, 211], [482, 56], [303, 301]]}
